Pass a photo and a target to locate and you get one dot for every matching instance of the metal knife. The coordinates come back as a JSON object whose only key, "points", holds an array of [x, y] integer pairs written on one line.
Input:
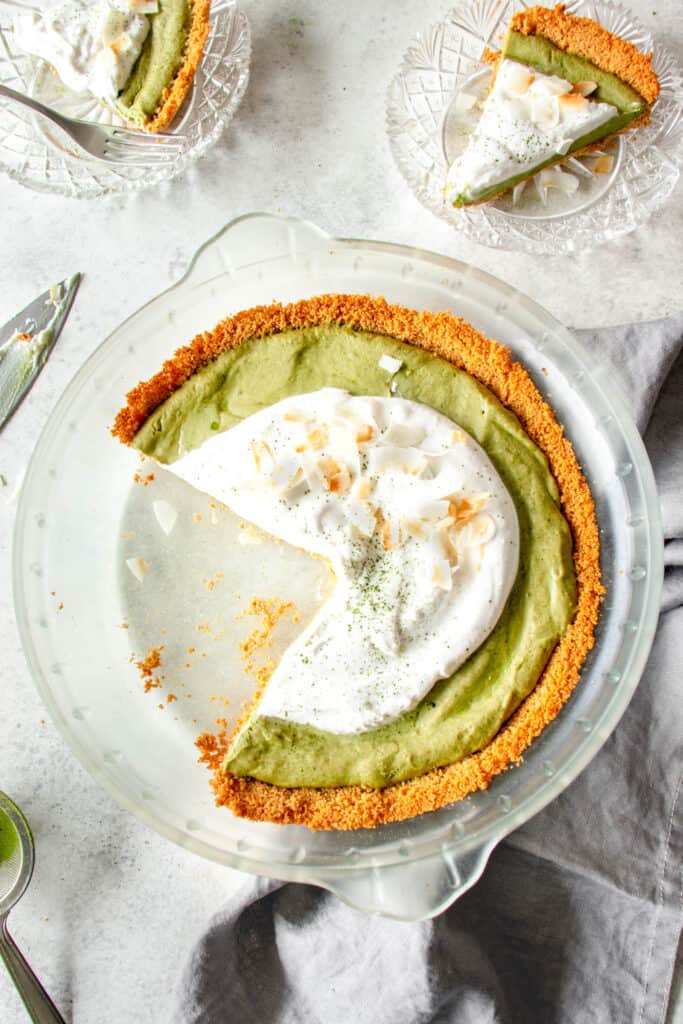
{"points": [[27, 340]]}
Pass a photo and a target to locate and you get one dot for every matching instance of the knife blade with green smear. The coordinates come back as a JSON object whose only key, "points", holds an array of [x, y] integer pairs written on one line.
{"points": [[27, 340]]}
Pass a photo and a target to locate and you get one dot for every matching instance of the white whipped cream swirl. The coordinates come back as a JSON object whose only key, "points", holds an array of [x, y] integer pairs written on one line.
{"points": [[93, 47], [417, 527]]}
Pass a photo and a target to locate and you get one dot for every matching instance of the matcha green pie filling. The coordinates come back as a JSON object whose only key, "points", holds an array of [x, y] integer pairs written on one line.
{"points": [[462, 713], [544, 56], [160, 60]]}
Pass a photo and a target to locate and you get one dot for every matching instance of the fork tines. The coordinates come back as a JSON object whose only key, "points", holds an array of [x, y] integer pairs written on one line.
{"points": [[140, 149]]}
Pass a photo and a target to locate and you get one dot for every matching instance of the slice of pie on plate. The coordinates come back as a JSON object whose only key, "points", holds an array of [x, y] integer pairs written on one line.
{"points": [[138, 57], [561, 86], [420, 461]]}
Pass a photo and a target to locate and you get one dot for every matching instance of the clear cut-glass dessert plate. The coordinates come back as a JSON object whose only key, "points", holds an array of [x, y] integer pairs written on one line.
{"points": [[83, 520], [427, 130], [39, 155]]}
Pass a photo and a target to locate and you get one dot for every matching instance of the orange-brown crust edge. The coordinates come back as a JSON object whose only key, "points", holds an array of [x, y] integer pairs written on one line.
{"points": [[451, 338], [590, 40], [172, 97]]}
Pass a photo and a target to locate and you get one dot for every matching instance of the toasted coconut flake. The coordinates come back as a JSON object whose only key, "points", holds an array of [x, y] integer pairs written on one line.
{"points": [[390, 364], [404, 435], [604, 164], [542, 192], [349, 416], [518, 79], [362, 516], [442, 577], [553, 177], [514, 109], [552, 86], [328, 467], [484, 527], [391, 533], [294, 416], [362, 488], [333, 516], [138, 566], [463, 510], [317, 439], [434, 510], [286, 475], [336, 477], [340, 483], [572, 101], [448, 541], [414, 528], [576, 167], [397, 459], [545, 111], [585, 87], [459, 436], [364, 433], [165, 515], [516, 194], [263, 456]]}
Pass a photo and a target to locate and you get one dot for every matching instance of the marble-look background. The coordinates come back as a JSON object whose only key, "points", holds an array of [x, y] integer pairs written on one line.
{"points": [[113, 909]]}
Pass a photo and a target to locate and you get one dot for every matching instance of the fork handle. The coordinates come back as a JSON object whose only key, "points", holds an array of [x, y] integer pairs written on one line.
{"points": [[40, 108], [38, 1004]]}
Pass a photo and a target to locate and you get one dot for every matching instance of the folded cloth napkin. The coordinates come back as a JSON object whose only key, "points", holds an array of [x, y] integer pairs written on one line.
{"points": [[577, 917]]}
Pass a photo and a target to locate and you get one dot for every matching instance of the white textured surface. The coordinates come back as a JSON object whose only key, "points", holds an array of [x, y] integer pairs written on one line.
{"points": [[113, 909]]}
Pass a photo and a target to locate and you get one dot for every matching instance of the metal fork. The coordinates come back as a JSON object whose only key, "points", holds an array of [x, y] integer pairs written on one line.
{"points": [[108, 142]]}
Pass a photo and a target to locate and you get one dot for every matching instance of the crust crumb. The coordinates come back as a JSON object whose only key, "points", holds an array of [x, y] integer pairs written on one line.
{"points": [[213, 746], [144, 480], [271, 611], [147, 666]]}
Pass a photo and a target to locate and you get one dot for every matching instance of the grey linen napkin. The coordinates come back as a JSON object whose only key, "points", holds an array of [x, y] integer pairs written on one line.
{"points": [[577, 917]]}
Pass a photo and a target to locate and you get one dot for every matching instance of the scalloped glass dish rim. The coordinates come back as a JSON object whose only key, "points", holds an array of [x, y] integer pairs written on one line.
{"points": [[72, 187], [507, 223], [323, 865]]}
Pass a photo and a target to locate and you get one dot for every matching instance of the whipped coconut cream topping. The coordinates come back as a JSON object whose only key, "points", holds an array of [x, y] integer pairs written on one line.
{"points": [[415, 523], [92, 46], [528, 118]]}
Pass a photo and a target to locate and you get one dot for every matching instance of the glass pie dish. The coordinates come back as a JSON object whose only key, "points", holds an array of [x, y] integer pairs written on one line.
{"points": [[426, 132], [82, 516], [42, 157]]}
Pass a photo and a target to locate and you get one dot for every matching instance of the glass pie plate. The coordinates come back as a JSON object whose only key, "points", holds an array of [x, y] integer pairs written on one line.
{"points": [[82, 515], [38, 154], [427, 131]]}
